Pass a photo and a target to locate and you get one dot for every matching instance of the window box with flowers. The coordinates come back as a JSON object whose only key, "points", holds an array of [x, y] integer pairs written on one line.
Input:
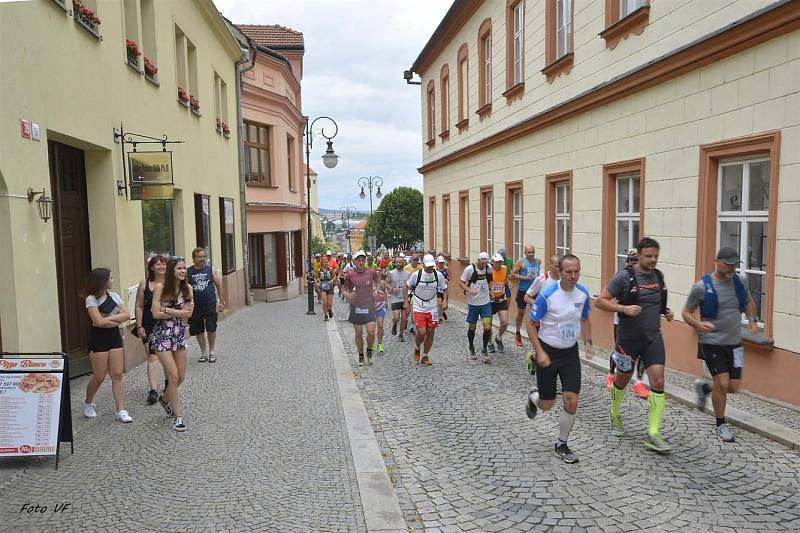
{"points": [[183, 96], [86, 17], [133, 54], [222, 127], [194, 105], [150, 71]]}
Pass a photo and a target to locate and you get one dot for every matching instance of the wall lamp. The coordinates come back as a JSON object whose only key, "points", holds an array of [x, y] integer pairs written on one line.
{"points": [[44, 204]]}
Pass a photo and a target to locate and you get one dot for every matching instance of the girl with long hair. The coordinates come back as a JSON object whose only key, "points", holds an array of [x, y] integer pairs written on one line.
{"points": [[155, 272], [172, 306], [106, 312]]}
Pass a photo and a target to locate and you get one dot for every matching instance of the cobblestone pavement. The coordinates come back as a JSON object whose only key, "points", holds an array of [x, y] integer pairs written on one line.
{"points": [[266, 447], [464, 457]]}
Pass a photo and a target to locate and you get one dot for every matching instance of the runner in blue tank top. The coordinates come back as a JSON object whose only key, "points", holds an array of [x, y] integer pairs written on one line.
{"points": [[525, 271]]}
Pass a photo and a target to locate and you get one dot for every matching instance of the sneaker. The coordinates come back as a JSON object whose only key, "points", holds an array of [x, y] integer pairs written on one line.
{"points": [[441, 320], [394, 328], [412, 331], [179, 425], [563, 451], [123, 416], [152, 397], [723, 431], [609, 380], [369, 356], [444, 315], [702, 396], [402, 339], [380, 347], [472, 353], [500, 347], [531, 363], [485, 357], [490, 346], [657, 444], [417, 356], [89, 410], [212, 358], [616, 425], [203, 358], [361, 359], [325, 319], [426, 361], [641, 390], [518, 339], [530, 407], [165, 404], [330, 313]]}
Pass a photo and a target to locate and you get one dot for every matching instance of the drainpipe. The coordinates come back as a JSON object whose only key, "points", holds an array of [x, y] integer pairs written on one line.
{"points": [[242, 201]]}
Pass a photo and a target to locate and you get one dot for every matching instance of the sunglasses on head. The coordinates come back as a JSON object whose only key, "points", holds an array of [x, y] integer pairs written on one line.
{"points": [[177, 258]]}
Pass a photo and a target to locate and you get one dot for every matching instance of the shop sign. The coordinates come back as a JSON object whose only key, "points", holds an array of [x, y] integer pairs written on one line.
{"points": [[150, 168]]}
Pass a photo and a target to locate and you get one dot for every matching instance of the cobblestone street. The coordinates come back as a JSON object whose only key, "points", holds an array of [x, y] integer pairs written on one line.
{"points": [[464, 457]]}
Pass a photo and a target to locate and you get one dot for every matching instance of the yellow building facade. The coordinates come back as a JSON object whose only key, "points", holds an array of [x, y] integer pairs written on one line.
{"points": [[71, 80], [580, 127]]}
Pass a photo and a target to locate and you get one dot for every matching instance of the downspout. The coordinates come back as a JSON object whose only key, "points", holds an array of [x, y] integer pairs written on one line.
{"points": [[242, 200]]}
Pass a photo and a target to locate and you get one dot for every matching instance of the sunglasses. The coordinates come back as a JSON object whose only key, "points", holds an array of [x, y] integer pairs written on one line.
{"points": [[177, 258]]}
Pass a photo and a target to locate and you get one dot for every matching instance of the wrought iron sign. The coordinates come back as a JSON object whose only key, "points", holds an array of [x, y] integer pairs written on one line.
{"points": [[148, 174]]}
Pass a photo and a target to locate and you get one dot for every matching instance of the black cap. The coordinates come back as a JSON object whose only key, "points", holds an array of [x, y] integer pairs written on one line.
{"points": [[728, 255]]}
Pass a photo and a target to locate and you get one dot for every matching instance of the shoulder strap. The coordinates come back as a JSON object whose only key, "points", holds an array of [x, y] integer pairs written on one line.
{"points": [[741, 293], [474, 277], [708, 308]]}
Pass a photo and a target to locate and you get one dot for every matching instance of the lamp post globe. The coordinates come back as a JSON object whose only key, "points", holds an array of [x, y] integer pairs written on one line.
{"points": [[330, 159]]}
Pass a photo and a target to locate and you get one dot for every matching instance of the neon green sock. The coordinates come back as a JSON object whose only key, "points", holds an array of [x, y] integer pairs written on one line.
{"points": [[616, 398], [656, 403]]}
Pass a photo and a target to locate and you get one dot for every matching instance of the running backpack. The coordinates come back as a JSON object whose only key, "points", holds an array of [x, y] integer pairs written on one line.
{"points": [[710, 307], [476, 277], [435, 279], [631, 295]]}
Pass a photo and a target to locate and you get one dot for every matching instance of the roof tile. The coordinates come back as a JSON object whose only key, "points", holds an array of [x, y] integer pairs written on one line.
{"points": [[273, 35]]}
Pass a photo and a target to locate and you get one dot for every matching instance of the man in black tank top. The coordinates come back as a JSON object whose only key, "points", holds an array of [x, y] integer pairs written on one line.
{"points": [[206, 286]]}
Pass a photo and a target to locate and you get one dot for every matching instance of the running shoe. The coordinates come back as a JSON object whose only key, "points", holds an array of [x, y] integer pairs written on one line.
{"points": [[616, 425], [179, 425], [657, 444], [165, 404], [394, 328], [380, 347], [89, 410], [518, 339], [723, 431], [563, 451], [152, 397], [203, 358], [500, 347], [609, 380], [441, 320], [326, 318], [485, 357], [490, 346], [417, 356], [330, 313], [369, 356], [444, 315], [426, 361], [402, 339], [531, 364], [212, 358], [472, 353], [123, 416], [641, 390], [530, 407], [361, 359], [412, 330], [702, 396]]}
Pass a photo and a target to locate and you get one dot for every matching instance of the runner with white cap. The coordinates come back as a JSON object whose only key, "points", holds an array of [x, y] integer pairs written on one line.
{"points": [[441, 266], [428, 287], [474, 281], [498, 291]]}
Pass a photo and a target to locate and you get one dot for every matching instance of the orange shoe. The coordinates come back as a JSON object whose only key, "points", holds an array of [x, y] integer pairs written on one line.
{"points": [[427, 361], [416, 355], [641, 390], [609, 381]]}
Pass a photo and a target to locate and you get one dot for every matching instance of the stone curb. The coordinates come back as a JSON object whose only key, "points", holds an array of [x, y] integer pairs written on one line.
{"points": [[766, 428], [378, 498]]}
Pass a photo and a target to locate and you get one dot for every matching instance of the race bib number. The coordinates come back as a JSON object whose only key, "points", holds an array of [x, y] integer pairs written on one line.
{"points": [[623, 362], [738, 357], [498, 288], [435, 315], [569, 331], [362, 311], [481, 287]]}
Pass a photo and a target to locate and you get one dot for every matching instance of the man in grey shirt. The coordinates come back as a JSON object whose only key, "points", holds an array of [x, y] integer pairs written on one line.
{"points": [[397, 279], [714, 308]]}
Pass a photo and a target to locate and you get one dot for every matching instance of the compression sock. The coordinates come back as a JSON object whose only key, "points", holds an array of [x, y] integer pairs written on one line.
{"points": [[720, 421], [565, 423], [616, 399], [471, 337], [487, 337], [656, 403]]}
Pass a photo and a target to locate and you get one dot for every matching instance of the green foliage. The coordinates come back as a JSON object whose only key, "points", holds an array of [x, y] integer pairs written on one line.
{"points": [[398, 222], [320, 246]]}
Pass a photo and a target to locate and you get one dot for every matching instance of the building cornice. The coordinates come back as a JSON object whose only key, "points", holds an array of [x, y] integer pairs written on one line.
{"points": [[760, 26], [455, 19], [252, 96]]}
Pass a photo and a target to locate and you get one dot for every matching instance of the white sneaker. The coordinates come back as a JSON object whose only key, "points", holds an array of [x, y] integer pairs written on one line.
{"points": [[123, 416], [89, 410], [179, 425]]}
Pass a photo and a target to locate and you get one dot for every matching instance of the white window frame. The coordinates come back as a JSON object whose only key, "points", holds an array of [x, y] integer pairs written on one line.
{"points": [[518, 41], [743, 217], [487, 68], [626, 215], [563, 27], [516, 238], [562, 214], [626, 7], [487, 202]]}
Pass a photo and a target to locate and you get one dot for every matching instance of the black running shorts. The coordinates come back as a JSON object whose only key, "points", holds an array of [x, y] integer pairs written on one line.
{"points": [[521, 300], [397, 306], [651, 351], [565, 364], [499, 306], [720, 359]]}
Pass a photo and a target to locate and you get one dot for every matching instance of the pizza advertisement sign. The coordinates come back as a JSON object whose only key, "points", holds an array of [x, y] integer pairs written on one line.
{"points": [[31, 394]]}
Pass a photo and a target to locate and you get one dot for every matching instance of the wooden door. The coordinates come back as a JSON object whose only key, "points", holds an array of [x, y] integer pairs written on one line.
{"points": [[73, 254]]}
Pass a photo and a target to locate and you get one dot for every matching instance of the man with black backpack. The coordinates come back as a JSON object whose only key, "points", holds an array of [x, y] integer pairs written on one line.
{"points": [[427, 286], [714, 308], [641, 300], [475, 280]]}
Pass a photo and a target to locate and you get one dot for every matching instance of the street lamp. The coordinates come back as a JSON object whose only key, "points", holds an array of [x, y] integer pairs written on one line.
{"points": [[369, 182], [347, 213], [330, 159]]}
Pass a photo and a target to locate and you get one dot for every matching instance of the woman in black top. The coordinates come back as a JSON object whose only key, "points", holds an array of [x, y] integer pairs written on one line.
{"points": [[155, 271]]}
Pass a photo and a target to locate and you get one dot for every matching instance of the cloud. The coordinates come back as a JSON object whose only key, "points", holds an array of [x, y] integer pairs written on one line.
{"points": [[356, 51]]}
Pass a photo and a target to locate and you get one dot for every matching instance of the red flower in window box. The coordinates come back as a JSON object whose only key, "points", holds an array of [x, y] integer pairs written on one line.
{"points": [[226, 130], [150, 68], [183, 96], [194, 103], [219, 126], [133, 48], [85, 14]]}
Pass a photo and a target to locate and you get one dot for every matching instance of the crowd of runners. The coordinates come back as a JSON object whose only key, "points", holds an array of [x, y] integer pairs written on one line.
{"points": [[555, 309]]}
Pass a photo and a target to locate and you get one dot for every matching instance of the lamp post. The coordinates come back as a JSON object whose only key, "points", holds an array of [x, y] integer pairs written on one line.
{"points": [[330, 159], [348, 212], [369, 182]]}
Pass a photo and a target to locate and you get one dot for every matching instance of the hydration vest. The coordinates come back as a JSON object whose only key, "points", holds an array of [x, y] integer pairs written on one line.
{"points": [[710, 307], [631, 294], [435, 280], [487, 275]]}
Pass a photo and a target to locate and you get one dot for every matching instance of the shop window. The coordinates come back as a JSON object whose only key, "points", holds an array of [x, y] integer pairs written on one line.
{"points": [[227, 217], [158, 227]]}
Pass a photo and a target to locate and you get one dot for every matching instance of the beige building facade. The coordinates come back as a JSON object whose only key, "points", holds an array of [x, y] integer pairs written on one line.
{"points": [[72, 81], [581, 126]]}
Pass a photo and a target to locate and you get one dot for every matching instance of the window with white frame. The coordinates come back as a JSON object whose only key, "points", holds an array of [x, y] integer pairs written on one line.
{"points": [[487, 202], [487, 68], [627, 216], [563, 27], [516, 238], [626, 7], [519, 35], [742, 219], [562, 218]]}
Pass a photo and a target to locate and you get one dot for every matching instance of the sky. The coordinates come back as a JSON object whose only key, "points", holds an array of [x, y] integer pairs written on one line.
{"points": [[355, 55]]}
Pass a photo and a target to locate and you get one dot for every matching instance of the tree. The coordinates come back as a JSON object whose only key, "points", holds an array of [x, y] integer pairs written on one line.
{"points": [[398, 222], [318, 246]]}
